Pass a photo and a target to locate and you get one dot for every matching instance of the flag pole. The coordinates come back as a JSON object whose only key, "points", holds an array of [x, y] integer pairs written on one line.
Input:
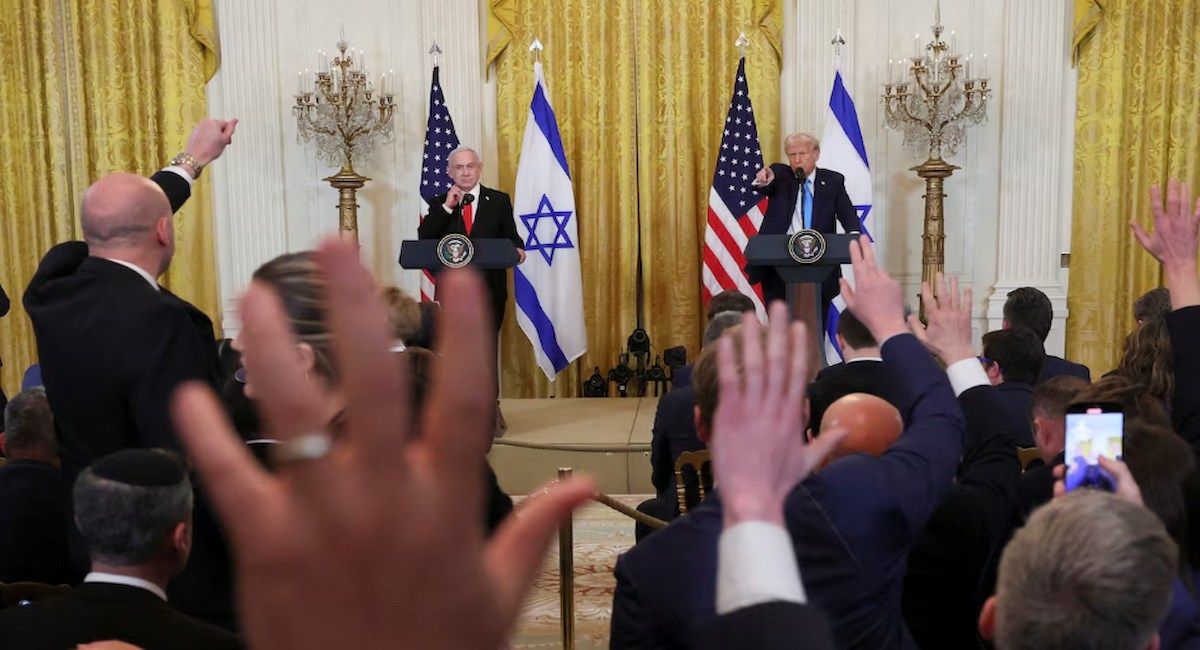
{"points": [[436, 51], [837, 44], [741, 44], [536, 47]]}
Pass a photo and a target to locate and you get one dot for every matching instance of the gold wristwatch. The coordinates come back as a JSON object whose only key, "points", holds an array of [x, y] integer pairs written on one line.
{"points": [[187, 159]]}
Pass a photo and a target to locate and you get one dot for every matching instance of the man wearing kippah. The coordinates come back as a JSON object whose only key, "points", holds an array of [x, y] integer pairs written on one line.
{"points": [[134, 509]]}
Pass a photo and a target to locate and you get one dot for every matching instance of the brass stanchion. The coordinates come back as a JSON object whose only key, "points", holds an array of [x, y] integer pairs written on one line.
{"points": [[566, 573]]}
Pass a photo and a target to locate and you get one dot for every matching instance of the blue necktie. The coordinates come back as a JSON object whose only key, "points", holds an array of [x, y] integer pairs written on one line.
{"points": [[808, 200]]}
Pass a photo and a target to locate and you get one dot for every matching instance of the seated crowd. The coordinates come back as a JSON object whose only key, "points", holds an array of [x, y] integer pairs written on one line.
{"points": [[912, 496]]}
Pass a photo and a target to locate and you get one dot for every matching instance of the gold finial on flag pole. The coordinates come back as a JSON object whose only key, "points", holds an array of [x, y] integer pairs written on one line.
{"points": [[742, 43], [536, 47]]}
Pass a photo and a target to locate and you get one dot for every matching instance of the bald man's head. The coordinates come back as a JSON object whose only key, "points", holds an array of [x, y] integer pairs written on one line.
{"points": [[128, 216], [873, 422]]}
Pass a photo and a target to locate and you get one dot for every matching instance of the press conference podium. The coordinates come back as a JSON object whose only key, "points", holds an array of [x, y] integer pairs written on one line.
{"points": [[489, 254], [803, 280]]}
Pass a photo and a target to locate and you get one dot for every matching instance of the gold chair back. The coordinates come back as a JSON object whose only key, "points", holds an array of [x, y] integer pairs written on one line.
{"points": [[1027, 455], [696, 460]]}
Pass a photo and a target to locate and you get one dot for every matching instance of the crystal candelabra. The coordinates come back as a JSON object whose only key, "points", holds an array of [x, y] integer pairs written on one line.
{"points": [[933, 101], [347, 117]]}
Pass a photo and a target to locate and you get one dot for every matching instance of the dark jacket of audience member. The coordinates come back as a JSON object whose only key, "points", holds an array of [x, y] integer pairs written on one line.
{"points": [[4, 305], [944, 587], [772, 625], [1017, 355], [1030, 308], [134, 509], [112, 351], [852, 525], [855, 375], [1182, 326], [33, 508]]}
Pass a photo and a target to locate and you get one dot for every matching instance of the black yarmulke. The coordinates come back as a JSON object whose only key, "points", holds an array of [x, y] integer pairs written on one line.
{"points": [[141, 467]]}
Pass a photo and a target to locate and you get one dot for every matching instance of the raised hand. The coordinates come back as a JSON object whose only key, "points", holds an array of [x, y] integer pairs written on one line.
{"points": [[758, 448], [875, 299], [377, 541], [453, 197], [209, 139], [1123, 484], [1174, 241], [948, 334], [765, 176]]}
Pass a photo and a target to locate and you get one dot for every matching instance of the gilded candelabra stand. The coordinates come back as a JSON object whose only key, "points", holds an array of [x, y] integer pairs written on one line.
{"points": [[932, 102], [347, 116]]}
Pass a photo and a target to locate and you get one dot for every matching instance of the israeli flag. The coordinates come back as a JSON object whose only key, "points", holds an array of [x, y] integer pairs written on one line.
{"points": [[548, 284], [842, 150]]}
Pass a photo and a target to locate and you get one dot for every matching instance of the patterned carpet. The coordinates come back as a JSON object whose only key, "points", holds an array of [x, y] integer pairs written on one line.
{"points": [[601, 534]]}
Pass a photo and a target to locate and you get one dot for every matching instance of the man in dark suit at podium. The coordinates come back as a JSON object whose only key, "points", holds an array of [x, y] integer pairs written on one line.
{"points": [[802, 196], [479, 213]]}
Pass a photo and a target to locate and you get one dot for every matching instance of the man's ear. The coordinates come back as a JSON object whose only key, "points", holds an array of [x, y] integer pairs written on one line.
{"points": [[987, 619], [307, 355], [162, 230], [3, 443], [181, 539], [702, 431]]}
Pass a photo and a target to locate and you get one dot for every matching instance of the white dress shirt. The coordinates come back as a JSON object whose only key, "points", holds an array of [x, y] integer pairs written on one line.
{"points": [[798, 212], [474, 192], [130, 581], [756, 564], [966, 374]]}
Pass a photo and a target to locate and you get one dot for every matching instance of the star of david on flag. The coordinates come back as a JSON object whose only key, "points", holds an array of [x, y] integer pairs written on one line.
{"points": [[548, 285], [843, 150], [547, 229]]}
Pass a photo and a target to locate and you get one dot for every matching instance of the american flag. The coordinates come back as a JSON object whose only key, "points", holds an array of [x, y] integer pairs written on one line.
{"points": [[735, 209], [440, 140]]}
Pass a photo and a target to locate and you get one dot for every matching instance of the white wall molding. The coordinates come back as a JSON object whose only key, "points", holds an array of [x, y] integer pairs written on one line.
{"points": [[1035, 171]]}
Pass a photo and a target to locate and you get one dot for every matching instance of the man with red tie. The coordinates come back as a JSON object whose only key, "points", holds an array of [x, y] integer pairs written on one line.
{"points": [[479, 213]]}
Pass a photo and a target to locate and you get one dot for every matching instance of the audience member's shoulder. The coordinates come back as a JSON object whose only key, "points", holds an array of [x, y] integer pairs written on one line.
{"points": [[201, 634], [697, 529]]}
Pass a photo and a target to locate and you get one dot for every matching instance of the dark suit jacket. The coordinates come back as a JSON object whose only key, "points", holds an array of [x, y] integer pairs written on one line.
{"points": [[682, 377], [33, 524], [674, 432], [840, 380], [767, 626], [4, 305], [1182, 325], [852, 524], [112, 351], [493, 219], [1054, 366], [831, 205], [1014, 398], [947, 567], [98, 612]]}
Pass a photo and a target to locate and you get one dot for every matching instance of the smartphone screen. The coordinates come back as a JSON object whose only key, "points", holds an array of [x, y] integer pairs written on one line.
{"points": [[1092, 430]]}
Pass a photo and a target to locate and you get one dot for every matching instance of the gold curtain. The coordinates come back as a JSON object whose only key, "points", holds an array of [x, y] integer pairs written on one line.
{"points": [[686, 63], [640, 89], [1136, 126], [99, 86]]}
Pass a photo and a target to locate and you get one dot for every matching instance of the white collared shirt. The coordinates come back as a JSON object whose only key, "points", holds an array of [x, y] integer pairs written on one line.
{"points": [[880, 359], [798, 211], [474, 192], [129, 581]]}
